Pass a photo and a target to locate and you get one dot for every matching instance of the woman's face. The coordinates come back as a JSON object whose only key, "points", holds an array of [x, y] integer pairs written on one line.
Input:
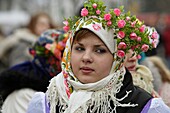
{"points": [[91, 60], [42, 25], [131, 61]]}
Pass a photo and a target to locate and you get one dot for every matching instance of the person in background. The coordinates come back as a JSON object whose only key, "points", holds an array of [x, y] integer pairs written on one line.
{"points": [[93, 77], [157, 82], [13, 49], [165, 77], [142, 76], [20, 82]]}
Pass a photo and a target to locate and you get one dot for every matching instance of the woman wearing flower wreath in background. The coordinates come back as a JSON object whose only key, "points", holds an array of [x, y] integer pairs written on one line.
{"points": [[141, 75], [19, 83], [93, 77]]}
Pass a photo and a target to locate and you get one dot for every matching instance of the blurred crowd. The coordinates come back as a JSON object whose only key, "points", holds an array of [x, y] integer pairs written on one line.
{"points": [[15, 46]]}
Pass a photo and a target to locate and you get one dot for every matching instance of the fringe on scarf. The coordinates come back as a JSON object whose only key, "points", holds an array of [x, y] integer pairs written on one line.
{"points": [[100, 101]]}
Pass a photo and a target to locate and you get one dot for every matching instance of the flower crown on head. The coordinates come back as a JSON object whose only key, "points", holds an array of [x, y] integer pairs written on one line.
{"points": [[128, 30]]}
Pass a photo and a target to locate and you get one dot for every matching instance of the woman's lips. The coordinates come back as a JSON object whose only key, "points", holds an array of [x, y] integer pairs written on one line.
{"points": [[132, 68], [86, 70]]}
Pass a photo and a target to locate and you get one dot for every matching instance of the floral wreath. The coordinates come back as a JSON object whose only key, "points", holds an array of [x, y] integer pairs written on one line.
{"points": [[129, 31], [50, 46]]}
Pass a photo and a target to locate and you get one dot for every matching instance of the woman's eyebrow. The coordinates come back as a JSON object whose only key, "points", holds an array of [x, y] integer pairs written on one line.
{"points": [[99, 45], [95, 45], [79, 43]]}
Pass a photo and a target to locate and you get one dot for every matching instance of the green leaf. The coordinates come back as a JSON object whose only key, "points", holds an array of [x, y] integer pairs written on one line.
{"points": [[88, 22]]}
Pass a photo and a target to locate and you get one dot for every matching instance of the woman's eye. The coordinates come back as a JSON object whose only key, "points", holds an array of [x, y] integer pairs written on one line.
{"points": [[100, 50], [79, 48]]}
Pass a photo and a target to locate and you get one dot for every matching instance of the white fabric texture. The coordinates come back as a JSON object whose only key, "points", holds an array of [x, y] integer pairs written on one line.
{"points": [[158, 106], [37, 104], [143, 78], [17, 101]]}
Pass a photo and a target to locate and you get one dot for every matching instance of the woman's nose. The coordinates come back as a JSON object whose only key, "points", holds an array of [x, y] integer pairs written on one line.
{"points": [[133, 59], [87, 57]]}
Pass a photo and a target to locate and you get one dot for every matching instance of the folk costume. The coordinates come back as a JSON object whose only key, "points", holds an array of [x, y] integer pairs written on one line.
{"points": [[112, 94]]}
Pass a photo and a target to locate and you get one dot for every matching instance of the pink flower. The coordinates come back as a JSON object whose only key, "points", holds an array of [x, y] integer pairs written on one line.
{"points": [[133, 36], [121, 34], [48, 46], [133, 47], [94, 5], [66, 28], [57, 53], [117, 11], [122, 45], [120, 53], [138, 57], [137, 46], [84, 12], [65, 23], [96, 27], [154, 43], [145, 48], [127, 18], [98, 12], [121, 23], [109, 23], [139, 39], [107, 16], [32, 52], [133, 24], [142, 28], [155, 35], [61, 43]]}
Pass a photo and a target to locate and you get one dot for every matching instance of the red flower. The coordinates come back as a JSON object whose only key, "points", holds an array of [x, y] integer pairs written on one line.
{"points": [[121, 23], [107, 17], [120, 53], [121, 34], [117, 11], [84, 12]]}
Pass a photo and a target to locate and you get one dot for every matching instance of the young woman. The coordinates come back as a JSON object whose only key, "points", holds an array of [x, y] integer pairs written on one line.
{"points": [[93, 77]]}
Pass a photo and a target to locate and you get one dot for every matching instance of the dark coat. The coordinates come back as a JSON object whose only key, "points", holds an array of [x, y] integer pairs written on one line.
{"points": [[25, 75]]}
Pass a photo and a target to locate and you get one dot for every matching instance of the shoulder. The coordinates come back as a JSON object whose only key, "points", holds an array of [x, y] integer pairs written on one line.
{"points": [[38, 103], [156, 105], [19, 98], [144, 71]]}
